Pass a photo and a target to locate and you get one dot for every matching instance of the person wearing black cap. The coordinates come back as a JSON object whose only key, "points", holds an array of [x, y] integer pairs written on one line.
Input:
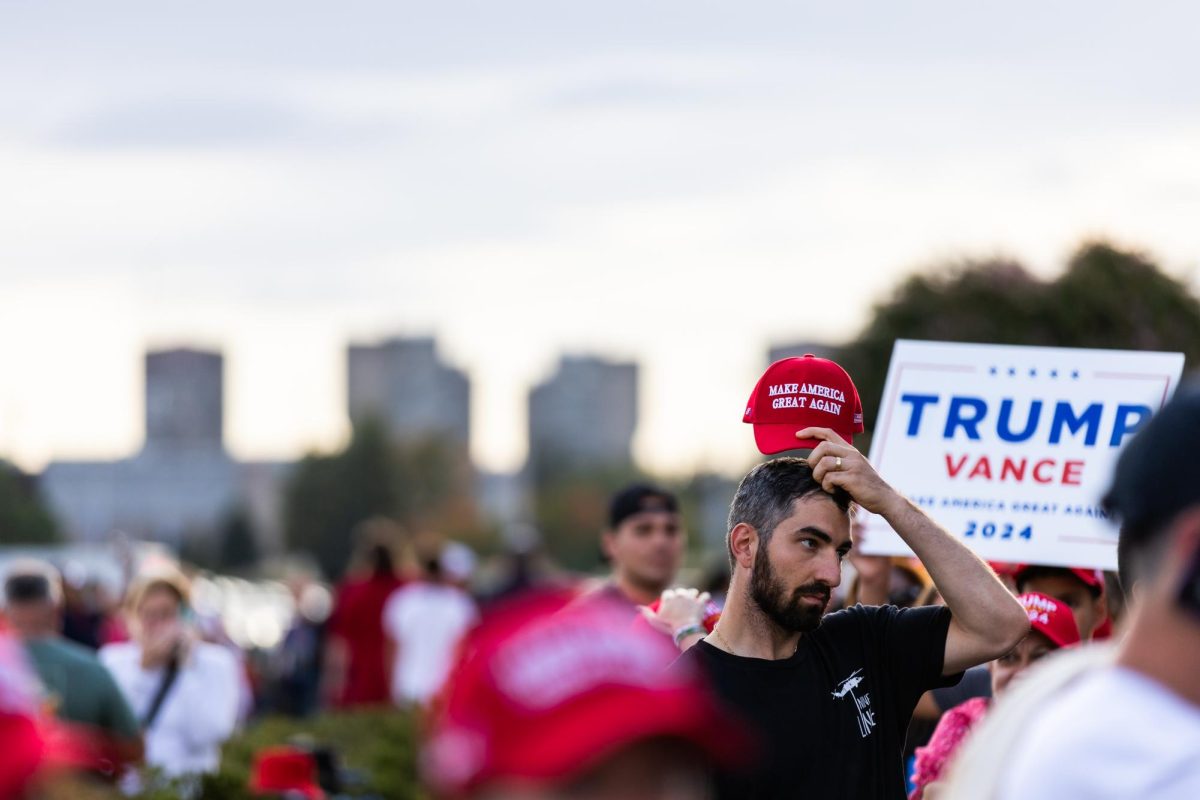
{"points": [[1132, 728], [644, 542]]}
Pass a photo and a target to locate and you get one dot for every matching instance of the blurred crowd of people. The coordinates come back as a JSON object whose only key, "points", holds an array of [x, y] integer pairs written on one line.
{"points": [[939, 676]]}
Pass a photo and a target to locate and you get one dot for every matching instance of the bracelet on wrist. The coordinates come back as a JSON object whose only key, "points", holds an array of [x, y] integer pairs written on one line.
{"points": [[686, 631]]}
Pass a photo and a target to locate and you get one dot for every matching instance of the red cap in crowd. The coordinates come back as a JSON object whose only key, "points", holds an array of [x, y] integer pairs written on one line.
{"points": [[547, 692], [1092, 578], [285, 770], [798, 393], [23, 749], [1051, 618]]}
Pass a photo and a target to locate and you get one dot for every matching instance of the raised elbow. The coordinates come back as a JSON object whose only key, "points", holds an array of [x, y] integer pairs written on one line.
{"points": [[1012, 626]]}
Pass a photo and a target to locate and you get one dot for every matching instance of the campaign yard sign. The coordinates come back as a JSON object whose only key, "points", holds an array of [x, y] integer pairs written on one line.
{"points": [[1010, 448]]}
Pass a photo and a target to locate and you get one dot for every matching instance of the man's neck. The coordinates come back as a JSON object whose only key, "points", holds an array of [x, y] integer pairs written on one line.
{"points": [[37, 634], [1161, 647], [636, 592], [746, 631]]}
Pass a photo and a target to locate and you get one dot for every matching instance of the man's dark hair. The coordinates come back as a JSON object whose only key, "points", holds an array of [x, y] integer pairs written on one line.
{"points": [[1156, 479], [1125, 563], [765, 496], [31, 582], [638, 497], [380, 559], [27, 589]]}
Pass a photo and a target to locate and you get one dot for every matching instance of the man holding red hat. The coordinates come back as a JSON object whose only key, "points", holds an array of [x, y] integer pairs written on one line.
{"points": [[803, 392], [832, 695]]}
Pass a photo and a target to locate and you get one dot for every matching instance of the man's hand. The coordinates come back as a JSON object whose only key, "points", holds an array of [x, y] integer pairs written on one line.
{"points": [[987, 621], [677, 609], [836, 464], [158, 648]]}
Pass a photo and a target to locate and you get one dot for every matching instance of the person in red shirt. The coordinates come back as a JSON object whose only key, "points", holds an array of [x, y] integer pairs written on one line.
{"points": [[356, 665]]}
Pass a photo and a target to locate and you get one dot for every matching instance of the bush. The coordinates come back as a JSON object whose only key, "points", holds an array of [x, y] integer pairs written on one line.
{"points": [[377, 748]]}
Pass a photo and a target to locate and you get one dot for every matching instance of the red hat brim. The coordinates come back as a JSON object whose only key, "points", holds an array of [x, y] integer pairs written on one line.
{"points": [[773, 438]]}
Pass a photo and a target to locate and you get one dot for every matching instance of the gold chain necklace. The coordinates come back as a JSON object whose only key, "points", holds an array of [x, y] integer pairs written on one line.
{"points": [[724, 643], [729, 648]]}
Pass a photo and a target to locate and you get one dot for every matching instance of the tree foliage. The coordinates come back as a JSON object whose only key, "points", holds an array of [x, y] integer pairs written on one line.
{"points": [[23, 517], [1107, 297], [422, 484]]}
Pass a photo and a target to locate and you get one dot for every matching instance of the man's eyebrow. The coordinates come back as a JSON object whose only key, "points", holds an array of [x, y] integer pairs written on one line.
{"points": [[813, 530]]}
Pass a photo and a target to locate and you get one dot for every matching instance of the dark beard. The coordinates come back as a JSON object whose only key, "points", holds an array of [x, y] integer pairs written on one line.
{"points": [[768, 592]]}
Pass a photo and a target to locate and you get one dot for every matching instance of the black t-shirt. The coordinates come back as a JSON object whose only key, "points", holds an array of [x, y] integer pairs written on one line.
{"points": [[831, 719]]}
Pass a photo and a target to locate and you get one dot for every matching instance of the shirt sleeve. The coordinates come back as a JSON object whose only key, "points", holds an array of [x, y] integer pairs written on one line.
{"points": [[976, 682], [914, 651], [118, 716]]}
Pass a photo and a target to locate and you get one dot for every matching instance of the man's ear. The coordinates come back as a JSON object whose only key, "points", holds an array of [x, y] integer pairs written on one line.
{"points": [[743, 543], [607, 542]]}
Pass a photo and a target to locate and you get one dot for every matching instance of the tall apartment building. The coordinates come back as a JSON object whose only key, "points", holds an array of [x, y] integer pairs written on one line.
{"points": [[182, 483], [403, 383], [185, 392], [584, 415]]}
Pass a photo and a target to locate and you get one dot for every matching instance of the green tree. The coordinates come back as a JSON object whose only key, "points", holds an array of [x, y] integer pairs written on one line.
{"points": [[328, 495], [23, 518], [238, 548], [423, 484], [1106, 298], [571, 510]]}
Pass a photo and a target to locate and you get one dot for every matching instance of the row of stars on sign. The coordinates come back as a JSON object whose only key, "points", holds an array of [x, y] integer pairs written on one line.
{"points": [[1033, 373]]}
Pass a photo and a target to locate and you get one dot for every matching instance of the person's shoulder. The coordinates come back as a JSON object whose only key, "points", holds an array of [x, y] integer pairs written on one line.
{"points": [[72, 652], [119, 653], [1077, 740], [857, 616], [697, 657], [211, 656], [969, 711]]}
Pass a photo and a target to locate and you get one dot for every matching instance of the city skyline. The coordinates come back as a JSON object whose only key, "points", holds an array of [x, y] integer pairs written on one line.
{"points": [[680, 185]]}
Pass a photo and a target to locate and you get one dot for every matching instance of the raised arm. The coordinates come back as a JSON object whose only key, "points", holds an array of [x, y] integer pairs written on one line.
{"points": [[987, 621]]}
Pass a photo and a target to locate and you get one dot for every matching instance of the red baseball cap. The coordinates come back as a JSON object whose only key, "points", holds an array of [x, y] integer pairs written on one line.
{"points": [[798, 393], [543, 695], [1051, 618], [1092, 578], [285, 770]]}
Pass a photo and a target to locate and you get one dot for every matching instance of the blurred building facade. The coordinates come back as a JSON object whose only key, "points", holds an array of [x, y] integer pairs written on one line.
{"points": [[182, 484], [185, 392], [404, 384], [584, 415]]}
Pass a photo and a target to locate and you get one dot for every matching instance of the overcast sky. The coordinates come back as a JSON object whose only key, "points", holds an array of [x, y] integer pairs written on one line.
{"points": [[677, 182]]}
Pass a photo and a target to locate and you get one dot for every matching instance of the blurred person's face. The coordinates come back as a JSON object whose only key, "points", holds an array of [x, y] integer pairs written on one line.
{"points": [[1089, 610], [32, 618], [1029, 650], [647, 548], [795, 574], [656, 770], [158, 614]]}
